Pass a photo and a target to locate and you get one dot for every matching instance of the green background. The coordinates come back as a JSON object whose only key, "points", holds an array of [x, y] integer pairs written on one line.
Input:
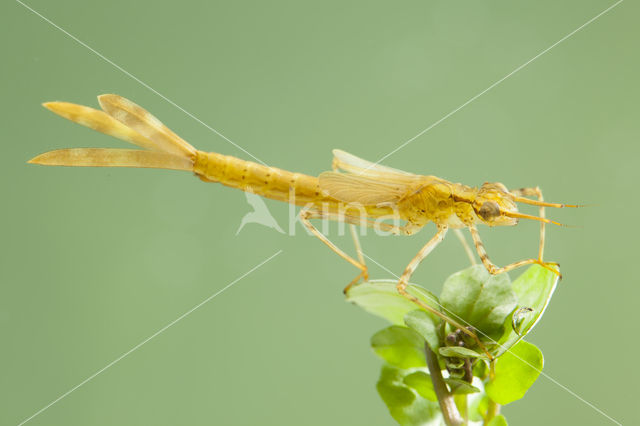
{"points": [[94, 261]]}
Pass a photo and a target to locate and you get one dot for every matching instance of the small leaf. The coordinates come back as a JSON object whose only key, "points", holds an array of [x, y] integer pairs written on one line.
{"points": [[515, 372], [391, 393], [454, 363], [457, 374], [381, 298], [479, 299], [405, 405], [421, 383], [498, 420], [461, 387], [480, 370], [425, 325], [399, 346], [460, 352], [533, 290]]}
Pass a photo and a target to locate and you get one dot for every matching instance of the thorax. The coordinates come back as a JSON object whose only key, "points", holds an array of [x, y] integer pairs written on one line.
{"points": [[441, 202]]}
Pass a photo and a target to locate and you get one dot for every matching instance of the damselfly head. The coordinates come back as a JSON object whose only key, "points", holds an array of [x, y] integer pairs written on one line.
{"points": [[495, 206]]}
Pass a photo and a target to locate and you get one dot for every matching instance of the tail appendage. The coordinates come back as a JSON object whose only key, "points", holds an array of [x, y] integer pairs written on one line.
{"points": [[127, 121]]}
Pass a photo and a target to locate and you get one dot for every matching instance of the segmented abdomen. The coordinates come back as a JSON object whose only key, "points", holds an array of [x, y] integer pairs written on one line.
{"points": [[269, 182]]}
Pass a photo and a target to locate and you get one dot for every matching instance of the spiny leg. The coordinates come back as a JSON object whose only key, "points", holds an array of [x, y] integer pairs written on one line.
{"points": [[356, 243], [535, 192], [422, 254], [356, 220], [407, 229], [493, 269], [306, 215], [403, 282], [465, 245]]}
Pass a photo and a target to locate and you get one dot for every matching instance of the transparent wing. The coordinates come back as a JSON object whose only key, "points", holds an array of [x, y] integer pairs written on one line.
{"points": [[140, 120], [351, 188], [99, 121], [107, 157], [350, 163]]}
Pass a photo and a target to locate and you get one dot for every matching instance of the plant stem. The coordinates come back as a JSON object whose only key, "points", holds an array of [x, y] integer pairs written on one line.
{"points": [[445, 399], [492, 411]]}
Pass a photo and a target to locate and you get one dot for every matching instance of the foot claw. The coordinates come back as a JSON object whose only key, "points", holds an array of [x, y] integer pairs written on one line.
{"points": [[549, 266], [365, 277]]}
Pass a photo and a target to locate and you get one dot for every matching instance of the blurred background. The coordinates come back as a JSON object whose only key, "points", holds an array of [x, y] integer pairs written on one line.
{"points": [[94, 261]]}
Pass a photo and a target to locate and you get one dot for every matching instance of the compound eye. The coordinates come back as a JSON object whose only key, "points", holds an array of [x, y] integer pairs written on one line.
{"points": [[489, 210]]}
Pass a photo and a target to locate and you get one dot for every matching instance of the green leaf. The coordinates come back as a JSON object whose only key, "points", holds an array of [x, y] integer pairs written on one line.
{"points": [[460, 352], [405, 405], [515, 372], [421, 383], [479, 299], [425, 325], [480, 370], [498, 420], [456, 374], [533, 290], [461, 387], [478, 407], [399, 346], [391, 392], [382, 299]]}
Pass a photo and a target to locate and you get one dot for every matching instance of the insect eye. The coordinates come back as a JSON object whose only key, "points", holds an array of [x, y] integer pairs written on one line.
{"points": [[489, 210]]}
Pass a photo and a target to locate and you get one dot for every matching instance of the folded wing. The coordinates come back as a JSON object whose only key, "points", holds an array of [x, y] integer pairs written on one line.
{"points": [[365, 182], [355, 165], [350, 188]]}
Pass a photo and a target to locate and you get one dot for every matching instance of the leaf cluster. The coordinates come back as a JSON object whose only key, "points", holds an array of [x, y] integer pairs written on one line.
{"points": [[478, 378]]}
